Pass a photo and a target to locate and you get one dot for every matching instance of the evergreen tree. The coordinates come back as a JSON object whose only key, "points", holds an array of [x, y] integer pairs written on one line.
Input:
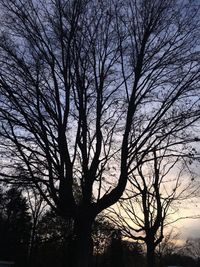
{"points": [[15, 225]]}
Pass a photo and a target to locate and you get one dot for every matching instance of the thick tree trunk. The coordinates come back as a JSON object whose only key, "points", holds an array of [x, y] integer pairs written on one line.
{"points": [[151, 262], [82, 247]]}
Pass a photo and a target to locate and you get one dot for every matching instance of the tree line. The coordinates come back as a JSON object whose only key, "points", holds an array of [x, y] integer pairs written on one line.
{"points": [[50, 241]]}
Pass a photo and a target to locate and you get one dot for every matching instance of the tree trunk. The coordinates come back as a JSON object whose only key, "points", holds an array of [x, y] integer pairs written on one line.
{"points": [[82, 246], [151, 255], [32, 248]]}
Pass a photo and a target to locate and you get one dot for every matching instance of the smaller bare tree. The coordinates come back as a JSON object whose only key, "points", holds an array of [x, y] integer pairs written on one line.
{"points": [[151, 201]]}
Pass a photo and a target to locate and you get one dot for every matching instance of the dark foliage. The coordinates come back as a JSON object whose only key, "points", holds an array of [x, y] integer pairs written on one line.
{"points": [[15, 225]]}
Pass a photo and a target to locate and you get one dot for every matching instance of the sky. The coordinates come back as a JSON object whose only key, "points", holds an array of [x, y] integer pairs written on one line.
{"points": [[188, 228]]}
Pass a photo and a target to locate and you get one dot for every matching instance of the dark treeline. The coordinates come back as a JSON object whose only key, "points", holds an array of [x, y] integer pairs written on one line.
{"points": [[52, 243], [15, 226]]}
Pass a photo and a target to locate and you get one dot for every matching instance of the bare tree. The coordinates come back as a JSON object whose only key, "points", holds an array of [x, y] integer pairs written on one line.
{"points": [[37, 208], [192, 248], [168, 246], [152, 200], [86, 84]]}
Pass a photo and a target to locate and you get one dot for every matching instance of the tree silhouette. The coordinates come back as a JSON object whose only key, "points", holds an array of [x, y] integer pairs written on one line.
{"points": [[192, 248], [86, 84], [37, 206], [53, 243], [116, 250], [15, 225], [152, 198], [167, 247]]}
